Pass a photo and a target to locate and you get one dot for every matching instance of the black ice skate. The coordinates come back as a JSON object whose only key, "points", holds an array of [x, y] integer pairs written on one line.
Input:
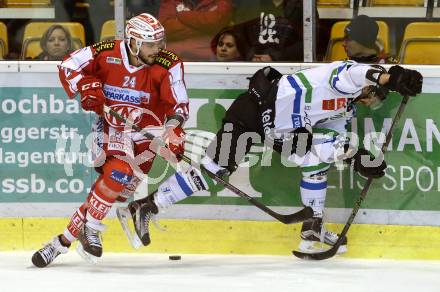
{"points": [[314, 237], [90, 246], [49, 252], [142, 212]]}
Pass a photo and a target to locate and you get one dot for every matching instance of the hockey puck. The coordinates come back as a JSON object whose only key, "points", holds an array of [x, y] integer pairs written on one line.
{"points": [[174, 257]]}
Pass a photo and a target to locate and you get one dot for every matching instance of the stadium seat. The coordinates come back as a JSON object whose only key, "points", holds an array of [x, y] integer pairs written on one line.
{"points": [[27, 3], [333, 3], [421, 43], [35, 30], [108, 30], [3, 40], [397, 3], [335, 49]]}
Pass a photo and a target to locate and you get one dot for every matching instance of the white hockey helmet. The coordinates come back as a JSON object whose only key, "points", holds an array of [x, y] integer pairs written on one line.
{"points": [[144, 28]]}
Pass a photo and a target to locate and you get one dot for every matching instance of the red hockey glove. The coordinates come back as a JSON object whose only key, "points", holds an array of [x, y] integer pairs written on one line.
{"points": [[175, 140], [92, 96]]}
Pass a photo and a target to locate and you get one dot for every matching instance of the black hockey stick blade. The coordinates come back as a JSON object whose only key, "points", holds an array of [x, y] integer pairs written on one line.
{"points": [[334, 249], [323, 255], [300, 216], [318, 256]]}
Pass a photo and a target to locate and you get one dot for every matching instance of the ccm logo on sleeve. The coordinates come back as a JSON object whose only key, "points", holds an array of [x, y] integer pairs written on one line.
{"points": [[91, 85]]}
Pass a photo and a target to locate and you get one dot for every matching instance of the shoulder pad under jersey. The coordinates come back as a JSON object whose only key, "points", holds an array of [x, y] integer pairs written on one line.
{"points": [[166, 59], [103, 46]]}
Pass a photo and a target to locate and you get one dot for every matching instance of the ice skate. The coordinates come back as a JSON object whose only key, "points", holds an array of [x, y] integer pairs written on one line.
{"points": [[90, 246], [141, 212], [49, 252], [316, 238]]}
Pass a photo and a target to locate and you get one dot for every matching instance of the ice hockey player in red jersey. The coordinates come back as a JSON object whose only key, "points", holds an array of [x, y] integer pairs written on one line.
{"points": [[142, 81]]}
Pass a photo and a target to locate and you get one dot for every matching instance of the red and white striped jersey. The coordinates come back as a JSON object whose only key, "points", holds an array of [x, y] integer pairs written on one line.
{"points": [[147, 94]]}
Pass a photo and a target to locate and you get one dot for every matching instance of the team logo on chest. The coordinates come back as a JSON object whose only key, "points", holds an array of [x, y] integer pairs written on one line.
{"points": [[129, 112]]}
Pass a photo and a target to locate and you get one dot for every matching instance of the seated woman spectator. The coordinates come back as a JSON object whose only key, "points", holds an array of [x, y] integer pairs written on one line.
{"points": [[55, 43], [228, 46]]}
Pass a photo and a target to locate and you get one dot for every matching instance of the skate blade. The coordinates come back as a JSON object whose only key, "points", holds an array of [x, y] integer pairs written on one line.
{"points": [[157, 225], [86, 256], [124, 216], [342, 249], [307, 246]]}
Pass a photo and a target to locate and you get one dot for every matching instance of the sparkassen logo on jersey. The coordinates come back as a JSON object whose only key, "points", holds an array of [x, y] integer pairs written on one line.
{"points": [[126, 95]]}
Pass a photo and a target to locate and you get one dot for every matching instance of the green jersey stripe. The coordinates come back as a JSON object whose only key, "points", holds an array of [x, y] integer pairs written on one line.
{"points": [[334, 73], [321, 166], [325, 131], [307, 85]]}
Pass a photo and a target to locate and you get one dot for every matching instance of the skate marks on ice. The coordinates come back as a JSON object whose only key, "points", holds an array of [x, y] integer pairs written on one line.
{"points": [[155, 272]]}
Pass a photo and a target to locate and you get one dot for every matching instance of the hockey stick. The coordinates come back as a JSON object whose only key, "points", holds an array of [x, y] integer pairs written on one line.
{"points": [[333, 250], [299, 216]]}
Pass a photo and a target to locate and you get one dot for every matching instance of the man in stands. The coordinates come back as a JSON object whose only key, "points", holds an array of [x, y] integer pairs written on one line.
{"points": [[361, 43]]}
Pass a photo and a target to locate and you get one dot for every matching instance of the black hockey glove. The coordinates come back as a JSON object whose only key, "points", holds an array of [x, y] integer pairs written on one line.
{"points": [[405, 81], [369, 168]]}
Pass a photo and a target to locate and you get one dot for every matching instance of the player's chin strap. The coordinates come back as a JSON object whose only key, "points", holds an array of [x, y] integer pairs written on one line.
{"points": [[333, 250], [138, 48], [302, 215]]}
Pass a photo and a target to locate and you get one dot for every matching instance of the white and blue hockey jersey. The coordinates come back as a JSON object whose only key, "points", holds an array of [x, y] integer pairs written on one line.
{"points": [[319, 97]]}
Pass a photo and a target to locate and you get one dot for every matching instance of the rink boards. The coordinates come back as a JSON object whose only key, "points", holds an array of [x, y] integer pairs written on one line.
{"points": [[44, 176], [234, 237]]}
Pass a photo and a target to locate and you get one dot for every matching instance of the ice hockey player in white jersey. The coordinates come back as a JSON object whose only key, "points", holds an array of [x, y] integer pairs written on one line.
{"points": [[304, 116]]}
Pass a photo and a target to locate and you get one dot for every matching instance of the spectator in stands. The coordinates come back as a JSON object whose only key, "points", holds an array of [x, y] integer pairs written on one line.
{"points": [[273, 29], [56, 42], [227, 46], [90, 13], [136, 7], [361, 43], [191, 24]]}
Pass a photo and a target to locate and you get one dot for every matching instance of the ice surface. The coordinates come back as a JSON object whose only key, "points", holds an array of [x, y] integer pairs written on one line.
{"points": [[211, 273]]}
